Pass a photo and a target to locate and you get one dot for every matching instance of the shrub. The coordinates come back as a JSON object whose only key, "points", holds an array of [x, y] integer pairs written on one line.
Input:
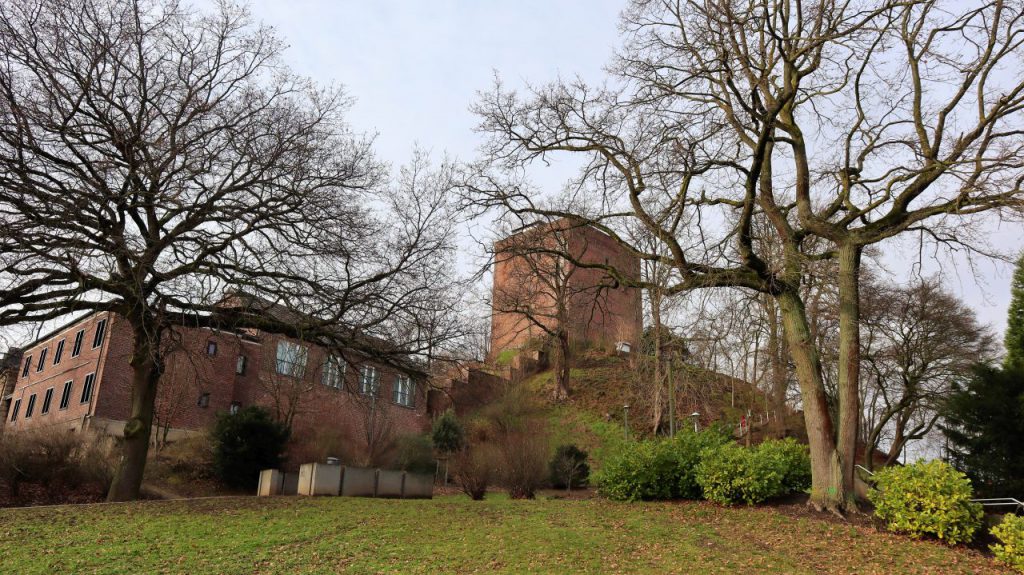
{"points": [[1010, 549], [927, 498], [245, 444], [60, 461], [569, 468], [794, 460], [657, 469], [447, 433], [415, 453], [730, 474], [688, 448], [473, 469], [524, 458], [188, 459]]}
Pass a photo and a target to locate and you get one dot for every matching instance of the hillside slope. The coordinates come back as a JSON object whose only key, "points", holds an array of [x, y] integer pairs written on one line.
{"points": [[600, 386]]}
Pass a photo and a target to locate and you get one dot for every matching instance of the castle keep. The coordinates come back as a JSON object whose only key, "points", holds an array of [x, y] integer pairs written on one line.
{"points": [[536, 286]]}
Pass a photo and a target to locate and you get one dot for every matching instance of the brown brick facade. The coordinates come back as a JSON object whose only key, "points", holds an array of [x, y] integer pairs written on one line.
{"points": [[200, 381], [601, 312]]}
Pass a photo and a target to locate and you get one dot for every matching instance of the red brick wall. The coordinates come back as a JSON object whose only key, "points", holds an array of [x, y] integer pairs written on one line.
{"points": [[69, 368], [190, 372], [613, 314]]}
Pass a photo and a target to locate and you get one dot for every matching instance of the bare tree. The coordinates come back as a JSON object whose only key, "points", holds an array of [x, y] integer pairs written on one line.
{"points": [[154, 159], [848, 122], [918, 342]]}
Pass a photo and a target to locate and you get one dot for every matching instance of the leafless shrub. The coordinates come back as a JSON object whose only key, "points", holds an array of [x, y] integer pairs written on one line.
{"points": [[56, 459], [473, 469]]}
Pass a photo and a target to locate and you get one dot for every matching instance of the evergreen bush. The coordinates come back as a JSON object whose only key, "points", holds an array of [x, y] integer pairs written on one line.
{"points": [[1010, 549], [927, 498], [246, 443]]}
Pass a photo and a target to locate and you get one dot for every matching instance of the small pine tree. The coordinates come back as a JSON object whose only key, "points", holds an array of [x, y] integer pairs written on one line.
{"points": [[448, 437], [245, 444], [1015, 319], [447, 433]]}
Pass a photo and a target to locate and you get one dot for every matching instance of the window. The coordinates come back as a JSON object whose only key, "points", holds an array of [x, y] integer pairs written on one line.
{"points": [[235, 406], [204, 400], [87, 387], [211, 348], [47, 400], [334, 372], [77, 348], [291, 358], [404, 391], [14, 410], [369, 380], [42, 359], [101, 329], [31, 406], [57, 353], [240, 365], [28, 366], [65, 396]]}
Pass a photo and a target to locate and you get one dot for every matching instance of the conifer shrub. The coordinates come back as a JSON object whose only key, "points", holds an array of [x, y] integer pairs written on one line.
{"points": [[927, 498], [1010, 549], [569, 468], [246, 443]]}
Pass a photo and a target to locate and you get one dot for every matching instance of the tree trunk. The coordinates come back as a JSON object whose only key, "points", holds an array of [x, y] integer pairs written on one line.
{"points": [[656, 384], [828, 490], [777, 368], [562, 366], [146, 369], [848, 411]]}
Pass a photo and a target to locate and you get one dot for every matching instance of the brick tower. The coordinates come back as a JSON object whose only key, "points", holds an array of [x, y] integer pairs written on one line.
{"points": [[535, 289]]}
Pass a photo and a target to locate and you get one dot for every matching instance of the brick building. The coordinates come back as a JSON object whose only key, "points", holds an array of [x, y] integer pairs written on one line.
{"points": [[529, 280], [79, 377]]}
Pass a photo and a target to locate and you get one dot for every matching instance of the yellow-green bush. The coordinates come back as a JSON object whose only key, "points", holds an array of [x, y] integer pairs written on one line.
{"points": [[1010, 549], [927, 498], [732, 474], [658, 469]]}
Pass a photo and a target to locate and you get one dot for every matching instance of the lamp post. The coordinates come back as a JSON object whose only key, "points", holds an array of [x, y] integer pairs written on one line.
{"points": [[625, 420], [695, 415]]}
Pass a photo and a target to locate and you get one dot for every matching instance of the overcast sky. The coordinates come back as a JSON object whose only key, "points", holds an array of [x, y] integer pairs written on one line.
{"points": [[414, 68]]}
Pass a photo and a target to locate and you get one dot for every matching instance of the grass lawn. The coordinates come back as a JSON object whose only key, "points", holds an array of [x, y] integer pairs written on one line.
{"points": [[452, 535]]}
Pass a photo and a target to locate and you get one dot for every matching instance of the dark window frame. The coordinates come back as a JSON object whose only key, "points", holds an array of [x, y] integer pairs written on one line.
{"points": [[409, 395], [204, 400], [14, 410], [28, 367], [58, 353], [241, 364], [101, 332], [47, 402], [211, 348], [42, 359], [31, 406], [371, 385], [65, 395], [90, 381], [76, 349]]}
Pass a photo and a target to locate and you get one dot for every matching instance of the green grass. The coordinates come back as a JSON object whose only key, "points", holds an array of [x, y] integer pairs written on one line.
{"points": [[452, 535]]}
